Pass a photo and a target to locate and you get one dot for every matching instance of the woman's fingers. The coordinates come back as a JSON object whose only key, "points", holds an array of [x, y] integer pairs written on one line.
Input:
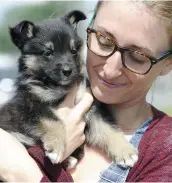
{"points": [[83, 106], [74, 137], [70, 97]]}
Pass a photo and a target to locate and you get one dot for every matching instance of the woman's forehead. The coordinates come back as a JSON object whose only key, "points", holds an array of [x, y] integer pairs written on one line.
{"points": [[133, 24]]}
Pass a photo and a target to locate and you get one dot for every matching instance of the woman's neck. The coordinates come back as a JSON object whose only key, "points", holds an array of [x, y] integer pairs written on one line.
{"points": [[131, 117]]}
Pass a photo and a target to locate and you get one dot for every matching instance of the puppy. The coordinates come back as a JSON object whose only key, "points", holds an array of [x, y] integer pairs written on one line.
{"points": [[49, 65]]}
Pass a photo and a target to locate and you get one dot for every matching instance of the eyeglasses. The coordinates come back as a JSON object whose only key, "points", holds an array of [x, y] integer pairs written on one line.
{"points": [[133, 60]]}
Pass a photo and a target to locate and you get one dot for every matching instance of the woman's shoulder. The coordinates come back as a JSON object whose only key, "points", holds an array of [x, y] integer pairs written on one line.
{"points": [[159, 133], [161, 121], [155, 151]]}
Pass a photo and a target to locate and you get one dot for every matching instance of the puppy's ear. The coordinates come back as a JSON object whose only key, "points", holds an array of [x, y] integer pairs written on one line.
{"points": [[21, 33], [75, 16]]}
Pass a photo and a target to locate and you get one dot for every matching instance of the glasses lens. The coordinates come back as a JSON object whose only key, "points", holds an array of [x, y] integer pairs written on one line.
{"points": [[99, 44], [136, 62]]}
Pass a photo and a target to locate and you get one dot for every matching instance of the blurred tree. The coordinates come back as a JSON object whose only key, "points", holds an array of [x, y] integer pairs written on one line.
{"points": [[31, 12], [35, 12]]}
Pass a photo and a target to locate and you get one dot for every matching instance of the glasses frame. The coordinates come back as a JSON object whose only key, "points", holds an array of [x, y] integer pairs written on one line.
{"points": [[153, 60]]}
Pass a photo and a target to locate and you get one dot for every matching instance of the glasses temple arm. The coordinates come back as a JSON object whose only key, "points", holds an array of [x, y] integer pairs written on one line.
{"points": [[165, 55]]}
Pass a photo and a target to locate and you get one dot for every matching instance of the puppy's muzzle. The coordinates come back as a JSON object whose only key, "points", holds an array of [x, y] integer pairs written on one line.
{"points": [[66, 70]]}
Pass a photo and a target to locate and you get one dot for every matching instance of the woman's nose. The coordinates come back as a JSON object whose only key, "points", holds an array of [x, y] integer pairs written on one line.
{"points": [[113, 66]]}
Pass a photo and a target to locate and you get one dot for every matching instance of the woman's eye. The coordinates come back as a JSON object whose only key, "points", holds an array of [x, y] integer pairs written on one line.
{"points": [[74, 51], [138, 58], [104, 42], [48, 53]]}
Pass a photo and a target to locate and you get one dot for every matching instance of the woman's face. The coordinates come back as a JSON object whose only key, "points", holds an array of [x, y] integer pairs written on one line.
{"points": [[131, 25]]}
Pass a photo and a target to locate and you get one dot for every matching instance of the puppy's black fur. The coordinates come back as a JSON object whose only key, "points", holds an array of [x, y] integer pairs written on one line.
{"points": [[49, 65]]}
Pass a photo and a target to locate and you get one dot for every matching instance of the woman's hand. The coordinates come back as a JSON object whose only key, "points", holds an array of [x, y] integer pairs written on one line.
{"points": [[16, 165], [72, 117]]}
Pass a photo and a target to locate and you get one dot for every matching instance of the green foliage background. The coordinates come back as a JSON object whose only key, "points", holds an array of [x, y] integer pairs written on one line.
{"points": [[29, 12]]}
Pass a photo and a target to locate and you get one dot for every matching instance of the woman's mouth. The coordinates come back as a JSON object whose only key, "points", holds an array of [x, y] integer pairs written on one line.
{"points": [[108, 84]]}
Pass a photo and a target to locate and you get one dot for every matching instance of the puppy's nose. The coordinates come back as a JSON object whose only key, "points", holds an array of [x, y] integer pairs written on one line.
{"points": [[67, 71]]}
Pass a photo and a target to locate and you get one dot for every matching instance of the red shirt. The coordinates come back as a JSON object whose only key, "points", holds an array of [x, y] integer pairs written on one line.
{"points": [[155, 155]]}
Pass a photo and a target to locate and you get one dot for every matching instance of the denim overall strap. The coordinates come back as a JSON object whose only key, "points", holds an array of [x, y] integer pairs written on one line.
{"points": [[117, 173]]}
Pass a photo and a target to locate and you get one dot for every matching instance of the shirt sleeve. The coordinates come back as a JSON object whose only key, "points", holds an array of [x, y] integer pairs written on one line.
{"points": [[156, 163], [158, 171], [51, 172]]}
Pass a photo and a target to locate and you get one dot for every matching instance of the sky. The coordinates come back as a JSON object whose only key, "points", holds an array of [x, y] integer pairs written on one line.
{"points": [[3, 8], [8, 4], [5, 5]]}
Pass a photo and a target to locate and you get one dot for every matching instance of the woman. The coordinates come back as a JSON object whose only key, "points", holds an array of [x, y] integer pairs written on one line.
{"points": [[129, 46]]}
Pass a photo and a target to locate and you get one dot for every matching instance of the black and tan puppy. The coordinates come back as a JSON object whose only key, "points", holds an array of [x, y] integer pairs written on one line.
{"points": [[49, 65]]}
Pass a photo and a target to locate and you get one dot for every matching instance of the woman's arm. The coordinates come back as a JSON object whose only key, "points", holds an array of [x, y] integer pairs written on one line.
{"points": [[15, 163]]}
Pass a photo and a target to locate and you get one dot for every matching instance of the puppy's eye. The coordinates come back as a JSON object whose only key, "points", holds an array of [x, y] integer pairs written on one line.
{"points": [[48, 53], [74, 51]]}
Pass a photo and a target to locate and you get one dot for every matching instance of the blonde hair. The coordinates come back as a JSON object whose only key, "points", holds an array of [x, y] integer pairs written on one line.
{"points": [[161, 9]]}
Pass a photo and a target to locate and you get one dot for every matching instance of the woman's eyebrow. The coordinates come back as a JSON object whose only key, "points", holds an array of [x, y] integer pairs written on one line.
{"points": [[142, 49]]}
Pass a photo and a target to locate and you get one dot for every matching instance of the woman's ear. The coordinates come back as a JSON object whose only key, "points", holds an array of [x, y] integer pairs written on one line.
{"points": [[167, 67]]}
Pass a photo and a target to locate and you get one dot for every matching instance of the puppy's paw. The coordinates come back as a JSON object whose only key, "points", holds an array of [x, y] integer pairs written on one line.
{"points": [[128, 162], [53, 139], [54, 157], [70, 162], [126, 155], [54, 149], [120, 150]]}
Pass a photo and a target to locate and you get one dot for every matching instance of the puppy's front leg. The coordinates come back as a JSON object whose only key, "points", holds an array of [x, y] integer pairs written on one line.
{"points": [[53, 139], [112, 141]]}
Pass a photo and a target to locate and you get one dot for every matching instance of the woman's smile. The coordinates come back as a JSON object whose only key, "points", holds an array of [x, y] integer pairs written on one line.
{"points": [[108, 84]]}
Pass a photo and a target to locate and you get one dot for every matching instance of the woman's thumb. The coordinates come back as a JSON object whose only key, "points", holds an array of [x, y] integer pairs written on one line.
{"points": [[84, 105]]}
